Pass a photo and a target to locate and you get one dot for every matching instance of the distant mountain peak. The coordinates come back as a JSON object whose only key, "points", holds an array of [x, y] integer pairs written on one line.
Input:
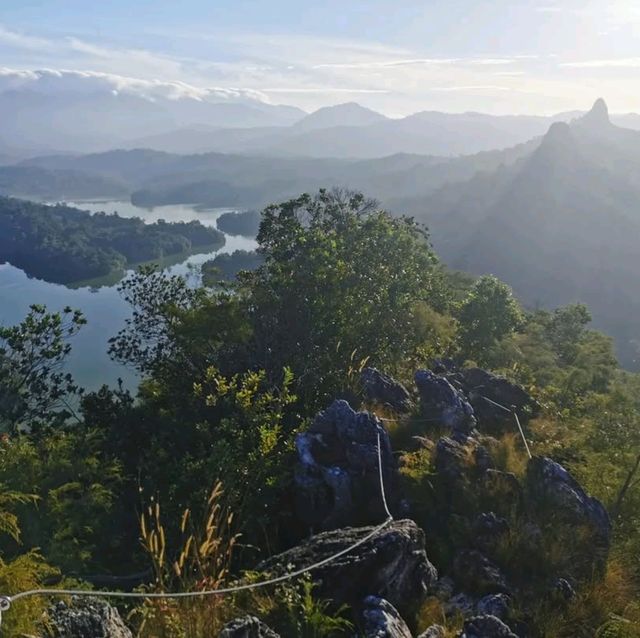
{"points": [[347, 114], [559, 133], [598, 116]]}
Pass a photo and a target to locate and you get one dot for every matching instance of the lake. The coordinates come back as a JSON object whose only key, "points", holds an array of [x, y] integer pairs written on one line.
{"points": [[102, 305]]}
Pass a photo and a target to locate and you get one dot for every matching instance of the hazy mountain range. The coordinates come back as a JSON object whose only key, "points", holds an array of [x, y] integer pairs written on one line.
{"points": [[556, 215], [70, 111], [561, 224]]}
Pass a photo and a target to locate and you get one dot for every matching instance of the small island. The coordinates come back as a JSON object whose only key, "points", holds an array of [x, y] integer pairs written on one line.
{"points": [[225, 267], [246, 223], [61, 244]]}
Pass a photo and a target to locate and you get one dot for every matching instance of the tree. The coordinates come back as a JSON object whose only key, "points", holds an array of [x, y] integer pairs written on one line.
{"points": [[34, 390], [487, 315], [566, 330], [342, 283]]}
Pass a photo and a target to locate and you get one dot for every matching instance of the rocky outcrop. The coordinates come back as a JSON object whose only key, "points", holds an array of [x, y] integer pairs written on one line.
{"points": [[487, 531], [497, 605], [555, 493], [486, 627], [382, 620], [336, 479], [380, 388], [247, 627], [487, 392], [440, 401], [392, 565], [85, 618], [477, 574]]}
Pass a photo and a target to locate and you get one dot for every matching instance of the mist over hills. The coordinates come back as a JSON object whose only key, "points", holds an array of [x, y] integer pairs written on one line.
{"points": [[555, 215], [560, 225]]}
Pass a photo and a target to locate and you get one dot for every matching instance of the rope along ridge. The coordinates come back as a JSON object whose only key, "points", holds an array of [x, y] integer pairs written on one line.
{"points": [[7, 601]]}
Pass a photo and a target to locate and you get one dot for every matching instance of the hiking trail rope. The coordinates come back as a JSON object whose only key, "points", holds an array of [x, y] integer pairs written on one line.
{"points": [[7, 601]]}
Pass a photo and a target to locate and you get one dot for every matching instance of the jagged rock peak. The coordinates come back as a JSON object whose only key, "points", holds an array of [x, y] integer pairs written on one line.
{"points": [[598, 115], [559, 132]]}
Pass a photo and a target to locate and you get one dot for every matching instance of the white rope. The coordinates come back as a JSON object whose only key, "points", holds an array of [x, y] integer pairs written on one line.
{"points": [[524, 438], [7, 601]]}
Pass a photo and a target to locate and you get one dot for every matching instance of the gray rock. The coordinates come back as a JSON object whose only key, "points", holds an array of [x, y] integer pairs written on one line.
{"points": [[451, 459], [504, 488], [440, 400], [460, 605], [497, 605], [482, 388], [383, 389], [486, 627], [435, 631], [247, 627], [559, 495], [392, 565], [336, 479], [444, 588], [85, 618], [563, 591], [382, 620], [477, 574], [488, 529]]}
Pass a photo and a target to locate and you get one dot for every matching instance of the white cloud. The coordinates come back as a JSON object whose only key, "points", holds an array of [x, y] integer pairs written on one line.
{"points": [[52, 81], [609, 63]]}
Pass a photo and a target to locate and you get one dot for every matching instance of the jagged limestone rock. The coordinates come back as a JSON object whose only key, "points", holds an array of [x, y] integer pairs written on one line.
{"points": [[486, 627], [85, 618], [247, 627], [380, 388], [475, 573], [382, 620], [336, 479], [440, 401], [392, 565], [558, 497]]}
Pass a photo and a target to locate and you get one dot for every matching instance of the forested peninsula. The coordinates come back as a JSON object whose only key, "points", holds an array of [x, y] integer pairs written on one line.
{"points": [[62, 244]]}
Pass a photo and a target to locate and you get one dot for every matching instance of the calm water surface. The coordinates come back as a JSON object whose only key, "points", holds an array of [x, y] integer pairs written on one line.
{"points": [[102, 305]]}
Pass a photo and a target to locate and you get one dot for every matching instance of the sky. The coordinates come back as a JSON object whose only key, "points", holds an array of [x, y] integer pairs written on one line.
{"points": [[395, 56]]}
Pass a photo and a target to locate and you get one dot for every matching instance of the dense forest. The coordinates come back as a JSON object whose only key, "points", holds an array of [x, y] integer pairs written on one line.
{"points": [[203, 474], [63, 244]]}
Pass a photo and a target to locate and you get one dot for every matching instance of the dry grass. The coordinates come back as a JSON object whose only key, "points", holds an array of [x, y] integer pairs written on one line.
{"points": [[432, 613], [201, 562]]}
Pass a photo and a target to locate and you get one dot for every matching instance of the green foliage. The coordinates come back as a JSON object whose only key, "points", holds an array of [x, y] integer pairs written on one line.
{"points": [[79, 522], [486, 315], [34, 391], [64, 244], [341, 280]]}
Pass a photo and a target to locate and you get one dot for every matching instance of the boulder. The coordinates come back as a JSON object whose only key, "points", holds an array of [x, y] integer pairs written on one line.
{"points": [[440, 401], [497, 605], [484, 390], [487, 530], [477, 574], [486, 627], [503, 488], [247, 627], [460, 605], [85, 618], [452, 458], [392, 565], [563, 591], [381, 620], [556, 494], [378, 387], [336, 479]]}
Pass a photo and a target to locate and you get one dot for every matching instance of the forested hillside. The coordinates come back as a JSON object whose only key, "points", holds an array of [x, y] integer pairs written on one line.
{"points": [[271, 407], [63, 244]]}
